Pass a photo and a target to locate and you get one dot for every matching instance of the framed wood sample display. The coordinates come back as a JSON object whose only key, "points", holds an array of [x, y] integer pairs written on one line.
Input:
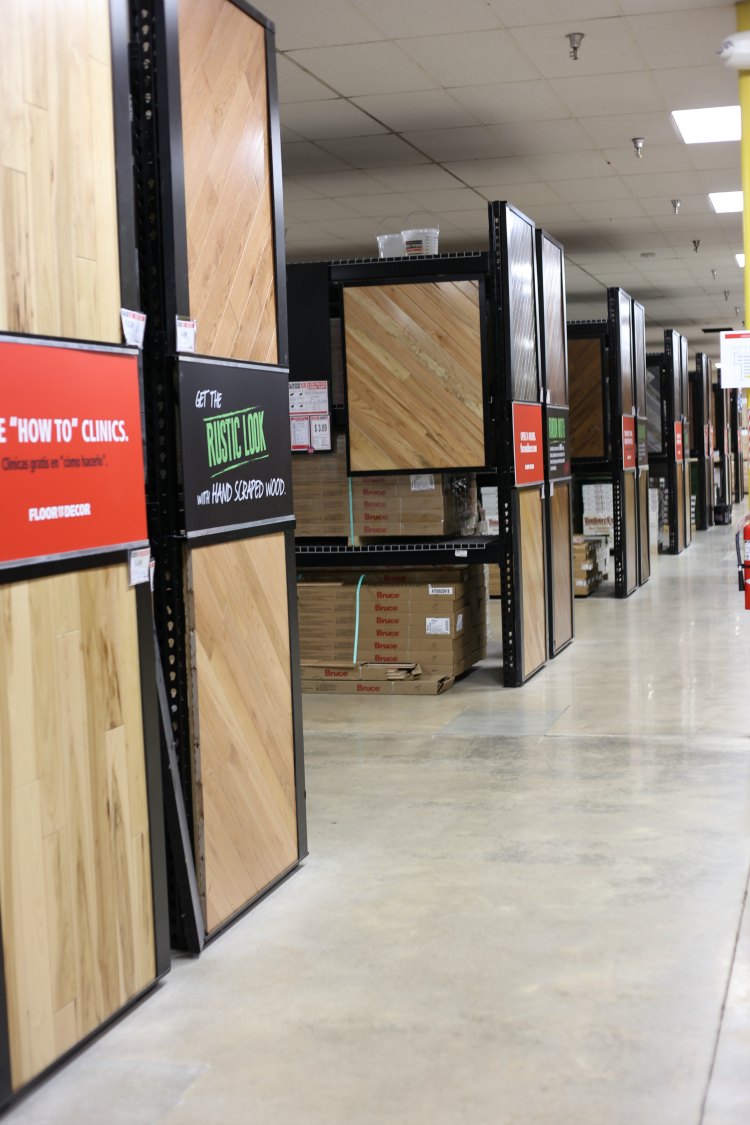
{"points": [[701, 379], [641, 422], [414, 375]]}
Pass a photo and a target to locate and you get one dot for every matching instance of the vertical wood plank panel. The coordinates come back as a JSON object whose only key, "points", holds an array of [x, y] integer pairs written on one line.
{"points": [[246, 779], [532, 577], [562, 578], [585, 374], [75, 884]]}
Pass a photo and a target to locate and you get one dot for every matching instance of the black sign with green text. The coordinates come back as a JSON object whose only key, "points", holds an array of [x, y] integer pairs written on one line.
{"points": [[642, 440], [236, 457], [558, 455]]}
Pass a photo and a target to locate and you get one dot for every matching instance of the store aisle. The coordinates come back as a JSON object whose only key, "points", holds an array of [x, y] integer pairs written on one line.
{"points": [[521, 907]]}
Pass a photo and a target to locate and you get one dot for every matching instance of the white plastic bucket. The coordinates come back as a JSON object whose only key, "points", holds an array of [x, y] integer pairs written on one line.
{"points": [[390, 245], [420, 240]]}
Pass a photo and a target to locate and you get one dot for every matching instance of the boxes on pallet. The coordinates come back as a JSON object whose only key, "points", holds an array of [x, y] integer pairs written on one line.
{"points": [[421, 504], [434, 618], [371, 679], [321, 497], [586, 573]]}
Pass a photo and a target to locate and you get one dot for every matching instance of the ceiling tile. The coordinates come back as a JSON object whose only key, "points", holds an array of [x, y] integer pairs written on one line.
{"points": [[459, 199], [569, 165], [374, 68], [695, 87], [373, 152], [288, 135], [297, 189], [301, 24], [468, 58], [692, 42], [607, 47], [420, 109], [304, 156], [664, 158], [296, 85], [579, 191], [499, 171], [322, 120], [334, 184], [524, 195], [444, 145], [545, 213], [689, 205], [522, 138], [672, 185], [398, 19], [633, 7], [417, 177], [598, 209], [637, 90], [359, 229], [722, 179], [315, 210], [389, 205], [501, 102], [620, 128], [724, 154], [515, 13]]}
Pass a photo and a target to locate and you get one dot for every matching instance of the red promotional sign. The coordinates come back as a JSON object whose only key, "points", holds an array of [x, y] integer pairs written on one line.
{"points": [[71, 457], [528, 445], [678, 454], [628, 442]]}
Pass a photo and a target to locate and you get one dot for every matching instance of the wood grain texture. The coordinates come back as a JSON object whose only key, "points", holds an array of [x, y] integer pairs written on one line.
{"points": [[245, 797], [680, 491], [631, 532], [75, 873], [585, 374], [643, 533], [561, 562], [59, 259], [414, 376], [228, 200], [534, 609]]}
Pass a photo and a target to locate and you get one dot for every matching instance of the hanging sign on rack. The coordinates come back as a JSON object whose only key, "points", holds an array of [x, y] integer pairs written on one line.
{"points": [[558, 453], [309, 416], [528, 443], [678, 451], [642, 440], [71, 451], [236, 460], [628, 442]]}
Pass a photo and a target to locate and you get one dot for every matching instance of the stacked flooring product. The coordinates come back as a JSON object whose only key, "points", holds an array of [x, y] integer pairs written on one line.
{"points": [[435, 619], [330, 505], [586, 571]]}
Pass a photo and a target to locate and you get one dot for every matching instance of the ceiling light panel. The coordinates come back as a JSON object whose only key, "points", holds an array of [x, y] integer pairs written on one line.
{"points": [[724, 202], [707, 126]]}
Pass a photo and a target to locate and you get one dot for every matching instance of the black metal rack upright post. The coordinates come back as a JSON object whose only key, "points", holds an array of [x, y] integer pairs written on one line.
{"points": [[670, 369], [702, 444]]}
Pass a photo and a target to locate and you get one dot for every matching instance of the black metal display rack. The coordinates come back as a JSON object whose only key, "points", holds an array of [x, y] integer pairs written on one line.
{"points": [[669, 461], [702, 443], [722, 459], [315, 296], [738, 461]]}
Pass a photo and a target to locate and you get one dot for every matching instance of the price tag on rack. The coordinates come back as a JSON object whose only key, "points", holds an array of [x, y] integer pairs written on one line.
{"points": [[186, 333], [320, 432]]}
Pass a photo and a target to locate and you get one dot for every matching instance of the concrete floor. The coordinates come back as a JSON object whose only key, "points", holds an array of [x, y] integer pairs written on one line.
{"points": [[521, 907]]}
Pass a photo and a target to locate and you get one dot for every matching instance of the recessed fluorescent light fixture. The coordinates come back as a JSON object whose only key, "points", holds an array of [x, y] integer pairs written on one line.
{"points": [[724, 202], [702, 126], [740, 260]]}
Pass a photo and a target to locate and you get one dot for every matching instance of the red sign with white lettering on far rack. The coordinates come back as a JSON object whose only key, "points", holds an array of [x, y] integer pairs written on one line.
{"points": [[528, 445], [678, 454], [71, 452], [629, 448]]}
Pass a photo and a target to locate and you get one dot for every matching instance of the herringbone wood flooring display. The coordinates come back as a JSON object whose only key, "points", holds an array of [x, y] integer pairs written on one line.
{"points": [[414, 376], [245, 788], [59, 260], [75, 868], [231, 271]]}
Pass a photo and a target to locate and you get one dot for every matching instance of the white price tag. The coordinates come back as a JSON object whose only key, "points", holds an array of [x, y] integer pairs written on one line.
{"points": [[186, 332], [422, 482], [300, 431], [139, 564], [461, 553], [440, 591], [459, 622], [438, 626], [320, 432], [133, 327]]}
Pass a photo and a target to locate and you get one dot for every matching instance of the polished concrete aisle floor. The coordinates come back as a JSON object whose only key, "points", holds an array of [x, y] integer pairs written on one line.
{"points": [[521, 907]]}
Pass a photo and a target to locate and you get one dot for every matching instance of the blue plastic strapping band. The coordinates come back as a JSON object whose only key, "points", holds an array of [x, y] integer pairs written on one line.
{"points": [[356, 620]]}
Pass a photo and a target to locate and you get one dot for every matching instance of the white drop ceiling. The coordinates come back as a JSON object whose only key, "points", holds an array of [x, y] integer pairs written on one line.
{"points": [[395, 111]]}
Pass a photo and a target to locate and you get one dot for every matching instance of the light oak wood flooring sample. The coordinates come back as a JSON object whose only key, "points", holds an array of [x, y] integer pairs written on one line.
{"points": [[414, 376], [680, 489], [231, 264], [645, 553], [561, 562], [585, 373], [75, 869], [534, 609], [59, 258], [631, 533], [245, 788]]}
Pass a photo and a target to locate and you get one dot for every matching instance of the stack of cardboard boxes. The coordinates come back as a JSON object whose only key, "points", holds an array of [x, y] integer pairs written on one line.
{"points": [[436, 619], [586, 572], [321, 497]]}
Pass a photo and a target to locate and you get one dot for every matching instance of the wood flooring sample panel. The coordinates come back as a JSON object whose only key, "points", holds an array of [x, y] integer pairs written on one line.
{"points": [[680, 491], [562, 577], [59, 259], [245, 799], [534, 608], [231, 263], [645, 553], [414, 376], [631, 533], [586, 374], [75, 868]]}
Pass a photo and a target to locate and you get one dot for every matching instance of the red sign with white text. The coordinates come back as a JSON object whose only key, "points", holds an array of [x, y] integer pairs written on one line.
{"points": [[71, 455], [628, 442], [678, 454], [528, 444]]}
